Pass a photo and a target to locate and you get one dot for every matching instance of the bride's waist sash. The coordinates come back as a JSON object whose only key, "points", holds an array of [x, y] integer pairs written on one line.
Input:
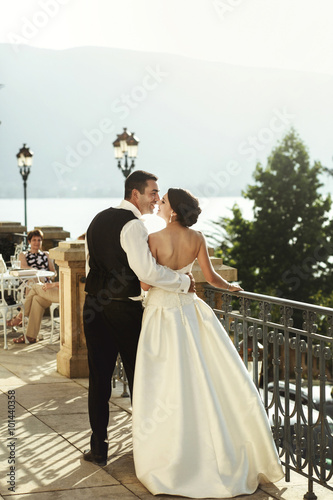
{"points": [[161, 298]]}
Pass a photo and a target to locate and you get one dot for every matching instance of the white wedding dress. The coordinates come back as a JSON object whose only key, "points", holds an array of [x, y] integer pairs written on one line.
{"points": [[199, 426]]}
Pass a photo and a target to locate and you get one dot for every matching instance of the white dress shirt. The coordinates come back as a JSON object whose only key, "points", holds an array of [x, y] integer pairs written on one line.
{"points": [[134, 241]]}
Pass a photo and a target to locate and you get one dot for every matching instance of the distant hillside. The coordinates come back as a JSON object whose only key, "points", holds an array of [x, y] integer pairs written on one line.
{"points": [[201, 125]]}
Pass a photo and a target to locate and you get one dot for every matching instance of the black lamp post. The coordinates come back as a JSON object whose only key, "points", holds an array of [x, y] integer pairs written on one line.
{"points": [[126, 146], [24, 162]]}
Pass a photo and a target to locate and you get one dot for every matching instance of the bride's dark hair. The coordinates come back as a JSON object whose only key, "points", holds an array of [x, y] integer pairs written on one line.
{"points": [[185, 205]]}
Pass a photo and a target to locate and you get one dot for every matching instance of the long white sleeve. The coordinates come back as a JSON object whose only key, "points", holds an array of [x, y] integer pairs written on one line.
{"points": [[134, 241]]}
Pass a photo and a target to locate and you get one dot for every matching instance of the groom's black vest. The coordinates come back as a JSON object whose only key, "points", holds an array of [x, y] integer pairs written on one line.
{"points": [[110, 275]]}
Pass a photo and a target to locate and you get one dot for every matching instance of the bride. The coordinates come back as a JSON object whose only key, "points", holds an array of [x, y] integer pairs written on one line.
{"points": [[199, 427]]}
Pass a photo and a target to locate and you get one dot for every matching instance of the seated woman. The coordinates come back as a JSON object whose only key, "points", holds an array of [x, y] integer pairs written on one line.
{"points": [[33, 258], [40, 297]]}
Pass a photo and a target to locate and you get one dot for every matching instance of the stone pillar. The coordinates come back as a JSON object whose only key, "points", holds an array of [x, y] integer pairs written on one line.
{"points": [[52, 236], [72, 357], [228, 273]]}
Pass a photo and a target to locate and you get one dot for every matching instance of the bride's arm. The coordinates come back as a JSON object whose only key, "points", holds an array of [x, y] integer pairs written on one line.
{"points": [[210, 275]]}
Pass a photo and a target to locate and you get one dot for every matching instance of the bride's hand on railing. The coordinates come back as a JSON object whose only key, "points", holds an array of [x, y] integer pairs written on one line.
{"points": [[234, 288]]}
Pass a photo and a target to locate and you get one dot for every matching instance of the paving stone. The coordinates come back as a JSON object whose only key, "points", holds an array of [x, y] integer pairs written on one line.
{"points": [[122, 468], [32, 363], [4, 401], [52, 430], [295, 489], [45, 461], [102, 493], [9, 380], [76, 429], [56, 398]]}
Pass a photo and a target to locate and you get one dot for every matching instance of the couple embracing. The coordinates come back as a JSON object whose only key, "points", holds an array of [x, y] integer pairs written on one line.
{"points": [[199, 427]]}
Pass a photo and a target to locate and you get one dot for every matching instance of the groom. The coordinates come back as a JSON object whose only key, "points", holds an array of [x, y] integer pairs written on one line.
{"points": [[118, 258]]}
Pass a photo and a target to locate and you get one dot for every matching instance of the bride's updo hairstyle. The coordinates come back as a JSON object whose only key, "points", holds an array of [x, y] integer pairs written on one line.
{"points": [[185, 205]]}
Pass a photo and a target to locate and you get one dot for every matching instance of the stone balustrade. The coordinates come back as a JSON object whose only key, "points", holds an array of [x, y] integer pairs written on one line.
{"points": [[12, 233], [52, 236], [72, 357]]}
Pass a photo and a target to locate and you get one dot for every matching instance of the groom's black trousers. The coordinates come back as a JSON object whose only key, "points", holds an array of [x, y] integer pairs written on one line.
{"points": [[109, 329]]}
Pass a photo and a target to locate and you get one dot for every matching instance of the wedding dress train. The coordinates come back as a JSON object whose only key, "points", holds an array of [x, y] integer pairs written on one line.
{"points": [[199, 426]]}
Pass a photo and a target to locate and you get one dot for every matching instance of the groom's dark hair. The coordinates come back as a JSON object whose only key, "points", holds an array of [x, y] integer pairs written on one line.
{"points": [[137, 180]]}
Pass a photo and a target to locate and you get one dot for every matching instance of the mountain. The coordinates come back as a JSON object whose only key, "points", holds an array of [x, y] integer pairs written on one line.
{"points": [[201, 125]]}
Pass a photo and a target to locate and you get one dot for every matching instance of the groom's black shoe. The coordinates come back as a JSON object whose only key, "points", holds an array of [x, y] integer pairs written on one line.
{"points": [[89, 456]]}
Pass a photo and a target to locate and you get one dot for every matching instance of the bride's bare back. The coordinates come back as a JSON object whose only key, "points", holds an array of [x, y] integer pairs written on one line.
{"points": [[175, 246]]}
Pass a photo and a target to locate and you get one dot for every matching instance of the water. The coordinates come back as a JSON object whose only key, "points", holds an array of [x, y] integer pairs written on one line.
{"points": [[75, 214]]}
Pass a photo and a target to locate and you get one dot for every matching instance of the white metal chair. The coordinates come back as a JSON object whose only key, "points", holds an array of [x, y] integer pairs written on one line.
{"points": [[6, 308], [18, 249], [53, 307]]}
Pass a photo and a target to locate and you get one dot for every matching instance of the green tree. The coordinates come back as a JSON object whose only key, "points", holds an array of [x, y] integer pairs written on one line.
{"points": [[286, 250]]}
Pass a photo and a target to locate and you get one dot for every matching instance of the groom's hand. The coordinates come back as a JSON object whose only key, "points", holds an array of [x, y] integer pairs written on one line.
{"points": [[192, 288]]}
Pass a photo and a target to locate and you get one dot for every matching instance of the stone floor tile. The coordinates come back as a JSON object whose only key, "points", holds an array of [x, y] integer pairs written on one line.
{"points": [[32, 363], [46, 462], [82, 381], [122, 468], [101, 493], [19, 410], [26, 425], [123, 403], [9, 380], [52, 430], [141, 492], [55, 346], [68, 425], [76, 429], [295, 489], [55, 398]]}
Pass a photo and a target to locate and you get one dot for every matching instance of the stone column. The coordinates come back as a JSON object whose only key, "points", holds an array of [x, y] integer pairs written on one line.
{"points": [[72, 357]]}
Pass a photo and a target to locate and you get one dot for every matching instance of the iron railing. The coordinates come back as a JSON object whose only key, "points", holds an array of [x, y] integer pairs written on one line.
{"points": [[120, 376], [287, 346]]}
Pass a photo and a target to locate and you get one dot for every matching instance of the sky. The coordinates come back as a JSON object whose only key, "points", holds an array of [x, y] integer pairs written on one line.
{"points": [[288, 34]]}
